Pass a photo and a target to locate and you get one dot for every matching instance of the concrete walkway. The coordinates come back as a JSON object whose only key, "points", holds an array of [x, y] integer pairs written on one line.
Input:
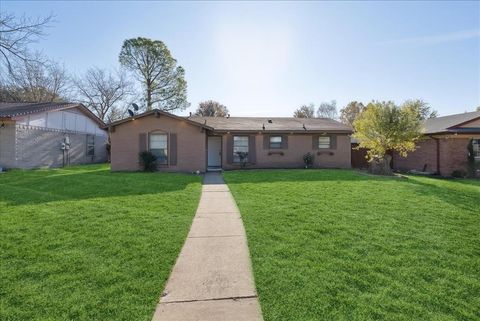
{"points": [[212, 279]]}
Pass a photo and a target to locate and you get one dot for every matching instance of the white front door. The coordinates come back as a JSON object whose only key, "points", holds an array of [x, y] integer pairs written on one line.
{"points": [[214, 151]]}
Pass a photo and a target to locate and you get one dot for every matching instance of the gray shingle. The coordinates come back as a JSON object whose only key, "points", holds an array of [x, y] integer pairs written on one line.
{"points": [[272, 124], [442, 124]]}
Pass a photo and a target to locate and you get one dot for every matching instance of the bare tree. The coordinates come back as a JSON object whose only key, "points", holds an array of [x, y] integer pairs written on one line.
{"points": [[37, 80], [327, 110], [16, 34], [211, 108], [305, 111], [349, 113], [103, 92]]}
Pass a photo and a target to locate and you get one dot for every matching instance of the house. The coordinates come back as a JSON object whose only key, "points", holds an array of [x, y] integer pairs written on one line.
{"points": [[443, 147], [208, 143], [36, 135]]}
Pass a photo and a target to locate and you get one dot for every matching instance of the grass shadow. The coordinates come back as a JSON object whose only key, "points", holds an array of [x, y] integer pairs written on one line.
{"points": [[19, 187]]}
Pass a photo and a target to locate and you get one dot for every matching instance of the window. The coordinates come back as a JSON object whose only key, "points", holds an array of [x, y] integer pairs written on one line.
{"points": [[275, 142], [90, 145], [240, 149], [476, 148], [158, 146], [324, 142]]}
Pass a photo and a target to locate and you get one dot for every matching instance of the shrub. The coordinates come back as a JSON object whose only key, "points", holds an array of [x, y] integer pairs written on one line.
{"points": [[459, 173], [308, 160], [243, 158], [148, 161]]}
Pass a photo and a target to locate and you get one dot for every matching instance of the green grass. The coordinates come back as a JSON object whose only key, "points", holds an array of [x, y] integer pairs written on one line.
{"points": [[339, 245], [83, 243]]}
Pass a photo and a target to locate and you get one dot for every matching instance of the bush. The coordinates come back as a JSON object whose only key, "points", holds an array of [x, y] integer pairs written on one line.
{"points": [[308, 160], [458, 173], [148, 161]]}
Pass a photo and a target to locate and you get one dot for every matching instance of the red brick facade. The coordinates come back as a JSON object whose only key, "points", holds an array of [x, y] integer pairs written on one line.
{"points": [[452, 156]]}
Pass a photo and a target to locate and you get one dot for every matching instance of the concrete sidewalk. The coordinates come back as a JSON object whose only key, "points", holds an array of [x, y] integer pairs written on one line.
{"points": [[212, 279]]}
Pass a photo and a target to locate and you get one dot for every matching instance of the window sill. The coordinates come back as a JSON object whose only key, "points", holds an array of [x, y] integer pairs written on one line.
{"points": [[325, 153], [275, 153]]}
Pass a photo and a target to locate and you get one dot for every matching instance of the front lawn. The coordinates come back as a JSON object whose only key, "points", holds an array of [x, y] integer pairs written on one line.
{"points": [[339, 245], [83, 243]]}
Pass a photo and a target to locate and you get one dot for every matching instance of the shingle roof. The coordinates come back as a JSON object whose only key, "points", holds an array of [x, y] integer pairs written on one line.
{"points": [[8, 110], [280, 124], [448, 123], [19, 109]]}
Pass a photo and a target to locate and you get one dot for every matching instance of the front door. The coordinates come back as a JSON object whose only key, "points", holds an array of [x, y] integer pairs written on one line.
{"points": [[214, 149]]}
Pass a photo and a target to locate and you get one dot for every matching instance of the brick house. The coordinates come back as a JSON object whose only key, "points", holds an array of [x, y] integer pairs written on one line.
{"points": [[36, 135], [212, 143], [443, 148]]}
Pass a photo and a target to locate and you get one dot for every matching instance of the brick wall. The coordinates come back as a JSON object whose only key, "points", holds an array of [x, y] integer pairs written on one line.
{"points": [[191, 143], [423, 158], [298, 145], [453, 156]]}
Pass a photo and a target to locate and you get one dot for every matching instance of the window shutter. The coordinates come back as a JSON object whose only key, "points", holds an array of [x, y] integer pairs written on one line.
{"points": [[229, 149], [142, 142], [252, 151], [266, 141], [173, 149], [284, 141], [315, 142], [333, 141]]}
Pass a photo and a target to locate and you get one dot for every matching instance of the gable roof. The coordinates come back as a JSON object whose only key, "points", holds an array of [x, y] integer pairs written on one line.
{"points": [[273, 124], [9, 110], [156, 112], [451, 123]]}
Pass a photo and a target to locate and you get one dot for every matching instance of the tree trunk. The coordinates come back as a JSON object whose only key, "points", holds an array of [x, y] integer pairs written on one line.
{"points": [[149, 95], [381, 166]]}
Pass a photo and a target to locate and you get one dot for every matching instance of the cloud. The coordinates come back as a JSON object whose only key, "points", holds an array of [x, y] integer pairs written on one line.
{"points": [[437, 39]]}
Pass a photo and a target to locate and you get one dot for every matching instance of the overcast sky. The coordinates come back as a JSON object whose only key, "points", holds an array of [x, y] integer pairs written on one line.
{"points": [[269, 58]]}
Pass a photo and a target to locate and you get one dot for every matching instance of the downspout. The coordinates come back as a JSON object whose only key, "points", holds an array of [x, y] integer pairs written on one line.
{"points": [[437, 140]]}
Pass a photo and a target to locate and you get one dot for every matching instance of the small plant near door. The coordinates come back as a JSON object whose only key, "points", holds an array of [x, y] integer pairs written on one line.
{"points": [[242, 156], [308, 160], [148, 161]]}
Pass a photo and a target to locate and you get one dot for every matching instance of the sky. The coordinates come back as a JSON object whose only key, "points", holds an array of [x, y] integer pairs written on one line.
{"points": [[268, 58]]}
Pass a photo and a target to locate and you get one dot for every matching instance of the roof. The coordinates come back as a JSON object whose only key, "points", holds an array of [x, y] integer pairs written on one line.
{"points": [[273, 124], [9, 110], [450, 123], [238, 124], [157, 112]]}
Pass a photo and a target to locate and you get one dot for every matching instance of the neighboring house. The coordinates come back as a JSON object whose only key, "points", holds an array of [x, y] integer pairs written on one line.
{"points": [[36, 135], [208, 143], [443, 148]]}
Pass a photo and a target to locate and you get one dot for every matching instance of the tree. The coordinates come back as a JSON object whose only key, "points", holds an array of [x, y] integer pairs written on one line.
{"points": [[305, 111], [211, 108], [153, 65], [327, 110], [421, 108], [102, 92], [478, 108], [16, 34], [384, 127], [37, 80], [349, 113]]}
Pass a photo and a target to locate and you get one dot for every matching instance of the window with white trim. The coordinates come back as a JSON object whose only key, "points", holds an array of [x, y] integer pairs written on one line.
{"points": [[240, 149], [324, 142], [158, 146], [275, 142], [476, 148]]}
